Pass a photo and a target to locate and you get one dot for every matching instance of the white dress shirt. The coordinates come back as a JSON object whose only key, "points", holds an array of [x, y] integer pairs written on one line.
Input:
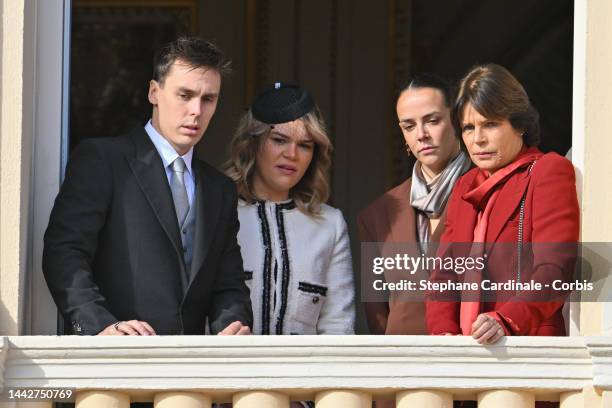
{"points": [[168, 155]]}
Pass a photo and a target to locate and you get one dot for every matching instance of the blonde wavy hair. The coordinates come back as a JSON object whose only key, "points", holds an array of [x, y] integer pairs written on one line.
{"points": [[311, 191]]}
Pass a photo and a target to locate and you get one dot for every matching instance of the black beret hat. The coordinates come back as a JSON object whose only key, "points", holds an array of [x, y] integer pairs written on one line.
{"points": [[280, 103]]}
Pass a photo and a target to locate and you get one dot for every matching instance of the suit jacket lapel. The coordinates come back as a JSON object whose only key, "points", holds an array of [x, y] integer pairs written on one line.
{"points": [[208, 201], [151, 177], [399, 216]]}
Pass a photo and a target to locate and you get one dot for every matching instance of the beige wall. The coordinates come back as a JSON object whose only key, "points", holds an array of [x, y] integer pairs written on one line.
{"points": [[10, 166], [16, 149], [592, 137]]}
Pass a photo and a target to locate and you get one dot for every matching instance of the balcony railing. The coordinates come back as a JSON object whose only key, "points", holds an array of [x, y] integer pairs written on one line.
{"points": [[333, 371]]}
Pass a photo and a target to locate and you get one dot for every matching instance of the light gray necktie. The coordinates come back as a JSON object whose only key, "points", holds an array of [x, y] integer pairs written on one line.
{"points": [[179, 191]]}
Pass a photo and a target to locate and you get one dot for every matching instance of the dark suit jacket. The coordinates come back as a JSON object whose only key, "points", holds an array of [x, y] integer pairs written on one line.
{"points": [[391, 218], [113, 249], [551, 218]]}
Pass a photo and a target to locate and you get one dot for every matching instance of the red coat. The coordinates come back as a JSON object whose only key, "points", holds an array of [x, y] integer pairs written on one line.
{"points": [[551, 216]]}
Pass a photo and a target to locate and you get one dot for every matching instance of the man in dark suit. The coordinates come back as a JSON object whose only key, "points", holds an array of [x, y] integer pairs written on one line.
{"points": [[142, 236]]}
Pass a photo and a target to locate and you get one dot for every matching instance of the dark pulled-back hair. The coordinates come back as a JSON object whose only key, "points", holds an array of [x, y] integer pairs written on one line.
{"points": [[496, 94], [194, 51], [428, 80]]}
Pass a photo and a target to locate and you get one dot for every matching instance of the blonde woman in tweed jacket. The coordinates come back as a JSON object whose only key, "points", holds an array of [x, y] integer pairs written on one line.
{"points": [[295, 248]]}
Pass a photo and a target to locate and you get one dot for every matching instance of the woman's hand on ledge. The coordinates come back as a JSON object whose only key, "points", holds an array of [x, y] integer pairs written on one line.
{"points": [[487, 330]]}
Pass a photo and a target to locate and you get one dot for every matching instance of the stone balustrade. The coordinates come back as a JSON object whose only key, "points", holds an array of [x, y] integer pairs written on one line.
{"points": [[332, 371]]}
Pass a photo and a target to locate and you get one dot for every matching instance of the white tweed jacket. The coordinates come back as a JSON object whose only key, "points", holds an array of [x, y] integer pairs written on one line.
{"points": [[298, 267]]}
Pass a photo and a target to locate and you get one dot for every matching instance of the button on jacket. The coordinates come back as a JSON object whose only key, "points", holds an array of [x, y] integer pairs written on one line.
{"points": [[298, 268], [113, 247]]}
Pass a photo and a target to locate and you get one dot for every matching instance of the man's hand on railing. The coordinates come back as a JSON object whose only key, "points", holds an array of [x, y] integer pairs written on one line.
{"points": [[236, 328], [128, 328]]}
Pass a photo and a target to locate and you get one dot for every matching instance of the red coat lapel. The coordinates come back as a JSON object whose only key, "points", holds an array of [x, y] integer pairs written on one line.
{"points": [[465, 216], [507, 204]]}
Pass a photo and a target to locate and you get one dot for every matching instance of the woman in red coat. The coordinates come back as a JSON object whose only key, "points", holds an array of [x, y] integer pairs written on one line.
{"points": [[515, 193]]}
